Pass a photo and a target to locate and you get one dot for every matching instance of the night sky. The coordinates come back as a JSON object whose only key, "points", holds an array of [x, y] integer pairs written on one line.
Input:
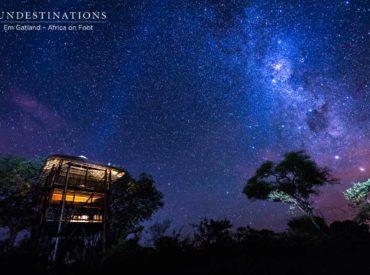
{"points": [[197, 94]]}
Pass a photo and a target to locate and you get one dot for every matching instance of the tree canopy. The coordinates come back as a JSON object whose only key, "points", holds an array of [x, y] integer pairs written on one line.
{"points": [[357, 195], [133, 201], [19, 193], [292, 181], [210, 232]]}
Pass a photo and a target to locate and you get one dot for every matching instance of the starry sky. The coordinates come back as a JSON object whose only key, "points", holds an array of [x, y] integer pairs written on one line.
{"points": [[198, 94]]}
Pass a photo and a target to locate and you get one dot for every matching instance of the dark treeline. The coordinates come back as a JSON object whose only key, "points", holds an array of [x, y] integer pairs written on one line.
{"points": [[342, 248], [309, 246]]}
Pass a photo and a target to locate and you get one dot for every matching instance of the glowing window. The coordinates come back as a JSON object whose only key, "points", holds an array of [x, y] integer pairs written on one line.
{"points": [[76, 197]]}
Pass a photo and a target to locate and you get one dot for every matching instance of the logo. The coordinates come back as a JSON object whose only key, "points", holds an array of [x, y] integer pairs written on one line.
{"points": [[52, 16]]}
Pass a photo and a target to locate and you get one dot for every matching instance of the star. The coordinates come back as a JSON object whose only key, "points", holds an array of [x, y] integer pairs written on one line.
{"points": [[277, 66], [197, 95]]}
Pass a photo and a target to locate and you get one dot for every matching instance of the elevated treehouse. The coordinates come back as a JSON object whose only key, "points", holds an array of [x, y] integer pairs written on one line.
{"points": [[75, 199]]}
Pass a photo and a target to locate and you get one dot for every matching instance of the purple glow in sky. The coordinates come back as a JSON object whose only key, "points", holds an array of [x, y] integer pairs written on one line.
{"points": [[198, 94]]}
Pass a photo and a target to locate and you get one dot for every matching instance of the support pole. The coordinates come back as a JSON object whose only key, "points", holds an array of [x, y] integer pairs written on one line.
{"points": [[105, 212], [61, 215]]}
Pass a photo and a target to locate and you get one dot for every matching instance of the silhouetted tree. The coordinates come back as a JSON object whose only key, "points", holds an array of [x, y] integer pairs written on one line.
{"points": [[357, 195], [303, 224], [173, 244], [211, 231], [158, 229], [349, 231], [242, 234], [133, 201], [292, 181], [19, 194]]}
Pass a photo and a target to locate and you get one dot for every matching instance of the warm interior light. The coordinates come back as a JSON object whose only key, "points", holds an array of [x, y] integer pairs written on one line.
{"points": [[85, 218], [98, 217], [77, 197]]}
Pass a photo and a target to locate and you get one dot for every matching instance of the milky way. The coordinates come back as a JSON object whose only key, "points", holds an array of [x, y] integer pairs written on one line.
{"points": [[197, 94]]}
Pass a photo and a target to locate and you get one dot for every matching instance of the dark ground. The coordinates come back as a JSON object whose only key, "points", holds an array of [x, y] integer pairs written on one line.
{"points": [[341, 248]]}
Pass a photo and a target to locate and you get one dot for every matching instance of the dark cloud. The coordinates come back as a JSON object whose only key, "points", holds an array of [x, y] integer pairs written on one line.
{"points": [[317, 119]]}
